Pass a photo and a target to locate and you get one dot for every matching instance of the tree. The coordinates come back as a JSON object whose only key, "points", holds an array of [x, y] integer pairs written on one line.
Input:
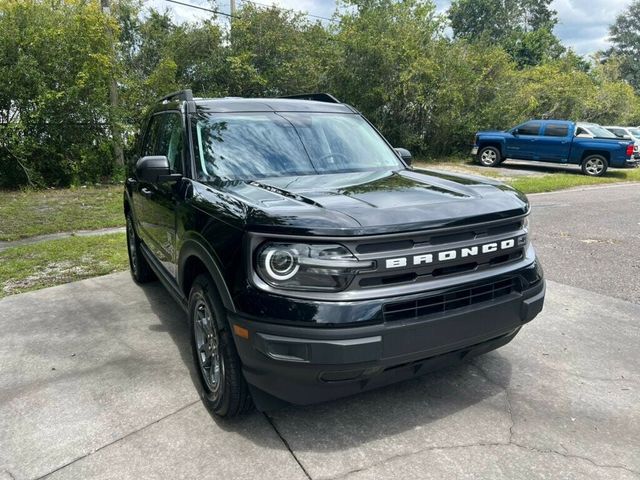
{"points": [[56, 60], [625, 39], [385, 50], [277, 52], [524, 28]]}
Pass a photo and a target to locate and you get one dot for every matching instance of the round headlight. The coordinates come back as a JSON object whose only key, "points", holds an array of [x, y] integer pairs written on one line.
{"points": [[305, 266], [281, 264]]}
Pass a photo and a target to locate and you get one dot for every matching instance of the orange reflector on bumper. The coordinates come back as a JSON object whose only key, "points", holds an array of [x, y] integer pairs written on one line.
{"points": [[241, 332]]}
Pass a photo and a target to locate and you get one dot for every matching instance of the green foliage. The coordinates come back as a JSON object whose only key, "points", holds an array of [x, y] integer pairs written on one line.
{"points": [[55, 62], [554, 90], [275, 52], [625, 40], [524, 28], [385, 57], [390, 59]]}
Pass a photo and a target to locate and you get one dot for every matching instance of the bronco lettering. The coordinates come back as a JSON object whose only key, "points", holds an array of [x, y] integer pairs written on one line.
{"points": [[448, 255]]}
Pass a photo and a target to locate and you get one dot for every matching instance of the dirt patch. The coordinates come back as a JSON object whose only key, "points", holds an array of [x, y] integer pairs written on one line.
{"points": [[54, 273]]}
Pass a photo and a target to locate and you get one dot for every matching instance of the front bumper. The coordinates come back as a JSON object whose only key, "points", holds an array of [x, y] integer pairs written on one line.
{"points": [[304, 365]]}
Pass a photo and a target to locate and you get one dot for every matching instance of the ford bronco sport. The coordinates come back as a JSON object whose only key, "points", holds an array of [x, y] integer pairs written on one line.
{"points": [[312, 260]]}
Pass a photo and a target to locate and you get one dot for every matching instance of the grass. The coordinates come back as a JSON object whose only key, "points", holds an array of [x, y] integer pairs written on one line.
{"points": [[28, 213], [548, 178], [561, 181], [54, 262]]}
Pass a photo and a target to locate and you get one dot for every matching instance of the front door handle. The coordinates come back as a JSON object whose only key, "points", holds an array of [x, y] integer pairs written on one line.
{"points": [[146, 192]]}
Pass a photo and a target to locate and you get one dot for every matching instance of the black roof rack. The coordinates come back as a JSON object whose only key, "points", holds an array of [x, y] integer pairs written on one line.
{"points": [[318, 97], [185, 95]]}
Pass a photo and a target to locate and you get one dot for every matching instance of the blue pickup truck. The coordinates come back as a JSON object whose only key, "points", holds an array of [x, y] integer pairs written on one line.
{"points": [[591, 146]]}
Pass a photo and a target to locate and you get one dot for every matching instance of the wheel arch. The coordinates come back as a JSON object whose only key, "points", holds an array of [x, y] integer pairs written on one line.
{"points": [[490, 143], [194, 259], [602, 153]]}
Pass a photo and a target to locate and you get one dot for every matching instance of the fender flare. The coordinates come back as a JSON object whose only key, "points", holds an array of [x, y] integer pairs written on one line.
{"points": [[200, 248], [494, 142]]}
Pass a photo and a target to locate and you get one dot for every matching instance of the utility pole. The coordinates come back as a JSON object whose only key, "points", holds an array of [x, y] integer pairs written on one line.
{"points": [[113, 94], [232, 14]]}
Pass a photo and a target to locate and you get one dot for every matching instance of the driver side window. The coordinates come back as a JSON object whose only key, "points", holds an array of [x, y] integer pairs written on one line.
{"points": [[165, 137], [529, 128]]}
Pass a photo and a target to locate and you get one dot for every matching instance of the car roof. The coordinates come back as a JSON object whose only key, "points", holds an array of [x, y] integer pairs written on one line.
{"points": [[548, 120], [239, 104]]}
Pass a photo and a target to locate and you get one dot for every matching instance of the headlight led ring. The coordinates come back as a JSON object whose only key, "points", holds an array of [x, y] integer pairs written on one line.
{"points": [[283, 266]]}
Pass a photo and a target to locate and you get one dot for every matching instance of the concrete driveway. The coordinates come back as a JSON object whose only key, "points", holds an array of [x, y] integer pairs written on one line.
{"points": [[96, 383]]}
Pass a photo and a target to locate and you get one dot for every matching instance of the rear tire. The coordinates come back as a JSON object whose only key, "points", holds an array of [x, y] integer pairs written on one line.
{"points": [[595, 165], [489, 157], [140, 269], [223, 389]]}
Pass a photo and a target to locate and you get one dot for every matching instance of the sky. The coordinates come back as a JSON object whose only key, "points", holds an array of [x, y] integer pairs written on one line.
{"points": [[582, 24]]}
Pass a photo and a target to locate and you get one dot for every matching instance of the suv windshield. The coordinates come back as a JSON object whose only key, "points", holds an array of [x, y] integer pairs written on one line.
{"points": [[244, 146]]}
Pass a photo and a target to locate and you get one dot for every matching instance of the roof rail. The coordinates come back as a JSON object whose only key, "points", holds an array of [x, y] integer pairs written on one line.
{"points": [[318, 97], [185, 95]]}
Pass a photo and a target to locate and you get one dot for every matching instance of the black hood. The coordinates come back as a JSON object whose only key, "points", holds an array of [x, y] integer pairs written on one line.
{"points": [[372, 202]]}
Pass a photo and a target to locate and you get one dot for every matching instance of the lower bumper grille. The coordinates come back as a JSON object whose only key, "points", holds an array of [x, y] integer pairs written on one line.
{"points": [[449, 301]]}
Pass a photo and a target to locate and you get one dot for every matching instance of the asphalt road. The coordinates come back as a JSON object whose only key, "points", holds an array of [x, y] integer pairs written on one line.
{"points": [[590, 238], [96, 382]]}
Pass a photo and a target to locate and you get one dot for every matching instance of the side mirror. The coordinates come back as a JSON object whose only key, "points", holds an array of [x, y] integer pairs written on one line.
{"points": [[514, 132], [404, 155], [155, 169]]}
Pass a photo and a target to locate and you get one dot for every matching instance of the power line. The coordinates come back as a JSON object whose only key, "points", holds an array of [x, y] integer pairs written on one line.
{"points": [[218, 12], [289, 10], [233, 15]]}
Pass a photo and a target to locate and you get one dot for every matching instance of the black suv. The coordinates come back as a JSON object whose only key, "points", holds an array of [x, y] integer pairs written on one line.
{"points": [[313, 262]]}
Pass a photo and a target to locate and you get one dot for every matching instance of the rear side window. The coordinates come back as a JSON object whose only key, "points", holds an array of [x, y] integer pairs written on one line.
{"points": [[529, 128], [556, 130]]}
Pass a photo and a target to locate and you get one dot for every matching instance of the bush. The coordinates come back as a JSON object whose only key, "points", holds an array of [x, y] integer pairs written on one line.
{"points": [[56, 62]]}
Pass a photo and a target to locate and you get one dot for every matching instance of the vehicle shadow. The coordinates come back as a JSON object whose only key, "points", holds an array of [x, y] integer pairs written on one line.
{"points": [[538, 168], [174, 322], [426, 409], [408, 406]]}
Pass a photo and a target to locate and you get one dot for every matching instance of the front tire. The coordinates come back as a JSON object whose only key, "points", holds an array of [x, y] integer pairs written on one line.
{"points": [[140, 269], [489, 157], [223, 389], [595, 165]]}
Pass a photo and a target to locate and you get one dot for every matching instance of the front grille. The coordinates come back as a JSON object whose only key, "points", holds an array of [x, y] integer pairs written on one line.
{"points": [[407, 247], [462, 297], [377, 280]]}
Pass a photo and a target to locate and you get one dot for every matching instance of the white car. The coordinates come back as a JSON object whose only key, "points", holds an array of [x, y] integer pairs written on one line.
{"points": [[631, 133]]}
